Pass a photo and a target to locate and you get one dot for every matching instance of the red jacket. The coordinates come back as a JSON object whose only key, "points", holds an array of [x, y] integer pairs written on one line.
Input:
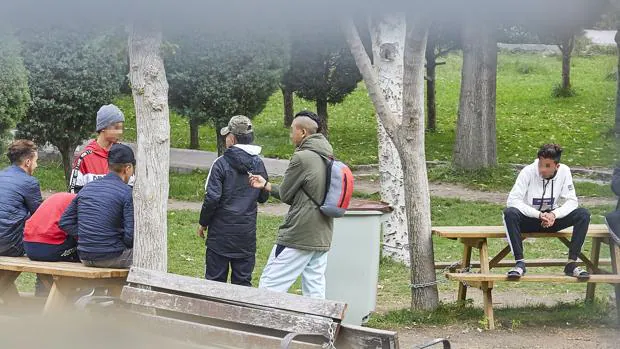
{"points": [[42, 226], [92, 164]]}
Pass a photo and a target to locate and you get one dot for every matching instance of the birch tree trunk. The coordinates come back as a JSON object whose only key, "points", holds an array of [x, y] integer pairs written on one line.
{"points": [[407, 134], [150, 94], [388, 44], [476, 141], [617, 39]]}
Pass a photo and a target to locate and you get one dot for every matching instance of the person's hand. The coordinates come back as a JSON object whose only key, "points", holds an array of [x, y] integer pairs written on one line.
{"points": [[548, 219], [201, 231], [257, 182]]}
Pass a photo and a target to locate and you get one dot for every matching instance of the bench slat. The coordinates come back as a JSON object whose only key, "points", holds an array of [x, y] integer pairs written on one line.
{"points": [[247, 296], [529, 263], [277, 320], [23, 264], [478, 232], [612, 279]]}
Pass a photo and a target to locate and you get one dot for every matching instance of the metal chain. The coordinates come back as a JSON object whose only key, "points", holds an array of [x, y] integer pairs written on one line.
{"points": [[332, 337], [437, 280]]}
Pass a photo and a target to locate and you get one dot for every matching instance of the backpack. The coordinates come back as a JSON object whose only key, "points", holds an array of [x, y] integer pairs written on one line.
{"points": [[612, 220], [338, 189]]}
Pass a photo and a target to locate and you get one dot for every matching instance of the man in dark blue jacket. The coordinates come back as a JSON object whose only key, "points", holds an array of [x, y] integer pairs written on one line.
{"points": [[20, 196], [101, 215], [230, 206]]}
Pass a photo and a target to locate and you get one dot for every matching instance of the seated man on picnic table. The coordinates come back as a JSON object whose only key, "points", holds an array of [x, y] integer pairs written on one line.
{"points": [[230, 206], [101, 215], [533, 207]]}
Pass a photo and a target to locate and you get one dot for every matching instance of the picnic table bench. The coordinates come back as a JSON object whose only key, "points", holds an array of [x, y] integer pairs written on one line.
{"points": [[67, 278], [477, 238]]}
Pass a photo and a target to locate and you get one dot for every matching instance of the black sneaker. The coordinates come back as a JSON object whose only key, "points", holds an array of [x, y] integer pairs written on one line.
{"points": [[518, 271], [571, 269]]}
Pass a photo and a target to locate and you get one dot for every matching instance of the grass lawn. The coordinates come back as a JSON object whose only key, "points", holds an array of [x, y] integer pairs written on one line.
{"points": [[527, 115]]}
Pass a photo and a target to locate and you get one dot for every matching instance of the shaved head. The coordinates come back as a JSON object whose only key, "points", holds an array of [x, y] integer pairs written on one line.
{"points": [[307, 124]]}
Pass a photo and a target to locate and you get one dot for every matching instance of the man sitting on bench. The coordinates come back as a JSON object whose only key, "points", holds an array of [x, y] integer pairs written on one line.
{"points": [[101, 215], [533, 207]]}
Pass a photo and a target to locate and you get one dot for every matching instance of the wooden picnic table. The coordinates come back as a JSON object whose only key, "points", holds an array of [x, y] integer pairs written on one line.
{"points": [[477, 237], [67, 278]]}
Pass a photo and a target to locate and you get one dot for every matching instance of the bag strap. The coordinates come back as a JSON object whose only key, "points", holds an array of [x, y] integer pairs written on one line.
{"points": [[76, 169], [323, 157]]}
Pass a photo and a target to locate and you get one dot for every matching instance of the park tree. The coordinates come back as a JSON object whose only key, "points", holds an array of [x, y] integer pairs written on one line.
{"points": [[287, 98], [71, 75], [214, 76], [14, 93], [322, 68], [443, 38]]}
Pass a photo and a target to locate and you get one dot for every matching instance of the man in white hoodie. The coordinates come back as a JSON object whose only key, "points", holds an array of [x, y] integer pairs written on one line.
{"points": [[534, 206]]}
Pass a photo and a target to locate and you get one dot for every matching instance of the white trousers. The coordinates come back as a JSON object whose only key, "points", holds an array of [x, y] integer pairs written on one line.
{"points": [[281, 272]]}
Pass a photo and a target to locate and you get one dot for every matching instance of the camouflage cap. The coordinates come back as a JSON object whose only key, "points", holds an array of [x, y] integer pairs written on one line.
{"points": [[238, 125]]}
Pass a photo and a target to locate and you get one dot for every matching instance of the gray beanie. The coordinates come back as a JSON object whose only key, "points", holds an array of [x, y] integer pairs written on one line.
{"points": [[109, 115]]}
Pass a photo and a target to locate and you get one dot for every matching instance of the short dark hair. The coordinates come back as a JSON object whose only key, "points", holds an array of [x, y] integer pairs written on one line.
{"points": [[550, 151], [313, 116], [20, 150], [247, 138], [118, 168]]}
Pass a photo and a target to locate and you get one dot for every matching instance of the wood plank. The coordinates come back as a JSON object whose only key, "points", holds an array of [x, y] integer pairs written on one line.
{"points": [[278, 320], [497, 232], [58, 298], [8, 290], [208, 335], [499, 257], [595, 254], [466, 262], [473, 243], [23, 264], [582, 256], [247, 296], [615, 266], [487, 288], [529, 263], [611, 279], [353, 337]]}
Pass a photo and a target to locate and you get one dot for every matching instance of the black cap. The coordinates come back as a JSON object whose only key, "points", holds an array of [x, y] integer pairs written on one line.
{"points": [[121, 154]]}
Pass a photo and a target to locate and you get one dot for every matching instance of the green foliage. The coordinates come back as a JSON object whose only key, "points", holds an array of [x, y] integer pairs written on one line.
{"points": [[560, 91], [322, 68], [71, 76], [14, 94], [215, 76]]}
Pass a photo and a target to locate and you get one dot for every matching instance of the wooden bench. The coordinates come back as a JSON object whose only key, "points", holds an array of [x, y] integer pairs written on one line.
{"points": [[219, 314], [67, 278], [477, 237]]}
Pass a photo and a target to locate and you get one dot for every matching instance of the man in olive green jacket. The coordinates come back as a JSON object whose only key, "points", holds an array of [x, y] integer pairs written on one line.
{"points": [[305, 236]]}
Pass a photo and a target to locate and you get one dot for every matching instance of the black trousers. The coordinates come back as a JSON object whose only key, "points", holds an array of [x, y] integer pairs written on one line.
{"points": [[218, 266], [517, 223], [65, 252]]}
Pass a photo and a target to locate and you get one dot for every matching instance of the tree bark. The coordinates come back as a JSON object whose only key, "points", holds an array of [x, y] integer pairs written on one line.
{"points": [[321, 111], [567, 47], [431, 65], [424, 295], [150, 94], [388, 43], [221, 142], [194, 134], [476, 143], [66, 153], [617, 39], [408, 136], [287, 95]]}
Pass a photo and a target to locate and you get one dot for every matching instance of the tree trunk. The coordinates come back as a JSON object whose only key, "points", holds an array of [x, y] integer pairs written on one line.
{"points": [[321, 111], [566, 47], [431, 65], [150, 94], [194, 135], [476, 143], [424, 295], [66, 153], [408, 137], [287, 94], [221, 141], [388, 43], [617, 39]]}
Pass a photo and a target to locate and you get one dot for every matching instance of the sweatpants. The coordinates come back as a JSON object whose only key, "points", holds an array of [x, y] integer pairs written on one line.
{"points": [[517, 223], [218, 266], [65, 252], [122, 261], [284, 266]]}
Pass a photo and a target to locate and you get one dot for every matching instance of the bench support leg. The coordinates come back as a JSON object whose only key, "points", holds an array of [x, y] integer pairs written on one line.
{"points": [[487, 287], [615, 265], [8, 290], [59, 295], [465, 263], [594, 255]]}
